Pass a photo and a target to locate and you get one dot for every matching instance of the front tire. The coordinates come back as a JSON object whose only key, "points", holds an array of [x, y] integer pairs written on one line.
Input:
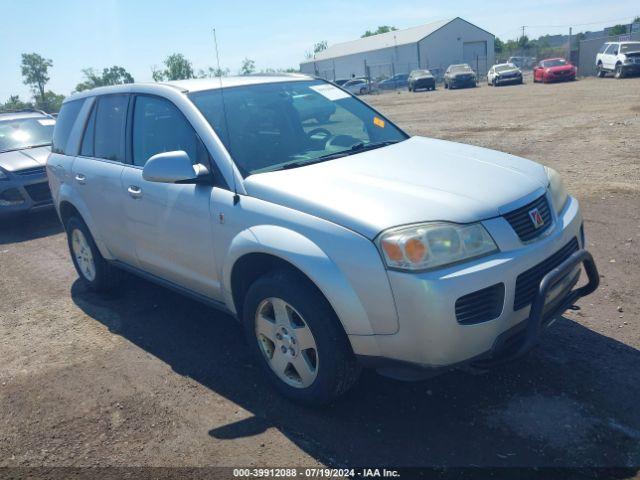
{"points": [[92, 268], [600, 71], [297, 338], [619, 73]]}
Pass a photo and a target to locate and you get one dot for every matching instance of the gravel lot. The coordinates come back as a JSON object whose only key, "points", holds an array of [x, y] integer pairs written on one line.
{"points": [[146, 377]]}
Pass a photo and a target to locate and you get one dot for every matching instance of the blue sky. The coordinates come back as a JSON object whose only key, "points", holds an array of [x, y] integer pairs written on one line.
{"points": [[138, 34]]}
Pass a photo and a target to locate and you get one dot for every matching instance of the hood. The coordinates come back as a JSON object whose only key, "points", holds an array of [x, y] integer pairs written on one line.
{"points": [[22, 159], [416, 180], [509, 71], [560, 68]]}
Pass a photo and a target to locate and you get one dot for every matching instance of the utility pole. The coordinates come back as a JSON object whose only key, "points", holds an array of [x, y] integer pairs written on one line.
{"points": [[569, 55]]}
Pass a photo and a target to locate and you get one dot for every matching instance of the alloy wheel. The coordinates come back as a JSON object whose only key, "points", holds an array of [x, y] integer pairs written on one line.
{"points": [[286, 342], [83, 255]]}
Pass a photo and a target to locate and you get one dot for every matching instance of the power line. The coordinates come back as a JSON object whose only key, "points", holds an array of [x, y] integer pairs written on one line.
{"points": [[620, 19]]}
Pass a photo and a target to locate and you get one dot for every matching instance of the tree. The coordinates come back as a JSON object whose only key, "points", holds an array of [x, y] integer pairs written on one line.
{"points": [[618, 30], [35, 73], [523, 42], [380, 29], [211, 72], [177, 67], [50, 103], [498, 45], [248, 67], [636, 20], [14, 103], [110, 76], [317, 48]]}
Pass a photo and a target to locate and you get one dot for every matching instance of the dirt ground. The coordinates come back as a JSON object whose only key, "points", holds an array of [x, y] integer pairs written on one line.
{"points": [[146, 377]]}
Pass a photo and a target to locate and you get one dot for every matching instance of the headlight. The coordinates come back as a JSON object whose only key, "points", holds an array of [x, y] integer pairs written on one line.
{"points": [[430, 245], [556, 187]]}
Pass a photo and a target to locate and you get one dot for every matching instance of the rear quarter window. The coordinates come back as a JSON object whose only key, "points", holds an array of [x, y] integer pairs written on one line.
{"points": [[64, 124]]}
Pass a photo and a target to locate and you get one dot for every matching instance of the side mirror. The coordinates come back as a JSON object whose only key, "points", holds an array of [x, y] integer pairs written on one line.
{"points": [[173, 167]]}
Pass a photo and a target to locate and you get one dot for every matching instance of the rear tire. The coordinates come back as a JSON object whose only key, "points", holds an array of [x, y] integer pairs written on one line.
{"points": [[283, 313], [600, 71], [619, 73], [94, 271]]}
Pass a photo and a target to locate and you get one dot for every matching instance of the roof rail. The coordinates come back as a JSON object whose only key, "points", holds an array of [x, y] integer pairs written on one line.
{"points": [[26, 110]]}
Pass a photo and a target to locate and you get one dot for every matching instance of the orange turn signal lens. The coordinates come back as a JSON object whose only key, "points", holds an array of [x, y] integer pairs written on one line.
{"points": [[392, 250], [415, 250]]}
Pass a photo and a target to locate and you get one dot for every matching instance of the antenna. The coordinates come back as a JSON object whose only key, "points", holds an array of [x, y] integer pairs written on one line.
{"points": [[236, 197]]}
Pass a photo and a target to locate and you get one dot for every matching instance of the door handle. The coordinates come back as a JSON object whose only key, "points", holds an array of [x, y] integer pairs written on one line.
{"points": [[134, 191], [81, 179]]}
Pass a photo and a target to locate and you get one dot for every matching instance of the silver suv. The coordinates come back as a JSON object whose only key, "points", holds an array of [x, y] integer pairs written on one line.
{"points": [[338, 242], [25, 141]]}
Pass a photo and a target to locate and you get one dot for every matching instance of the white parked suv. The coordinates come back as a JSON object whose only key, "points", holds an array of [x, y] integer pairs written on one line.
{"points": [[620, 58], [337, 246]]}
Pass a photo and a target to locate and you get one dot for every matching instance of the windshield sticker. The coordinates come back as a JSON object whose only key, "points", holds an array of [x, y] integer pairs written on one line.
{"points": [[330, 92], [47, 122], [378, 122]]}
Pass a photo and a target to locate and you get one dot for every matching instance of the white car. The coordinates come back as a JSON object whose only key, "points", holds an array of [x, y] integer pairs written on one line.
{"points": [[620, 58], [357, 86], [504, 73], [346, 245]]}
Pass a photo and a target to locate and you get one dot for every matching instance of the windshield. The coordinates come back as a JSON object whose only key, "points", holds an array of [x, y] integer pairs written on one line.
{"points": [[504, 68], [22, 133], [281, 125], [630, 47], [556, 62], [419, 73], [460, 68]]}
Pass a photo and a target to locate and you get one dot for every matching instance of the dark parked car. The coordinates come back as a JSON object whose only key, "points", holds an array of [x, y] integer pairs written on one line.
{"points": [[421, 79], [399, 80], [25, 143], [461, 75]]}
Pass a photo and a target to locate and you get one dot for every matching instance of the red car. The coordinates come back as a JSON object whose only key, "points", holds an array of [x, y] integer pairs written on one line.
{"points": [[554, 70]]}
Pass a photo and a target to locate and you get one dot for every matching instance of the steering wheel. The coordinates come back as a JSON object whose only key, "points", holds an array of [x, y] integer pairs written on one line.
{"points": [[342, 141], [326, 134]]}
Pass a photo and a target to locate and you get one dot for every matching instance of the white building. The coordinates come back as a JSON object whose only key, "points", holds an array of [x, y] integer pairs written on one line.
{"points": [[434, 46]]}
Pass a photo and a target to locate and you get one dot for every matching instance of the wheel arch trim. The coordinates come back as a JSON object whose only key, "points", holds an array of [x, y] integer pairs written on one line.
{"points": [[306, 256], [66, 196]]}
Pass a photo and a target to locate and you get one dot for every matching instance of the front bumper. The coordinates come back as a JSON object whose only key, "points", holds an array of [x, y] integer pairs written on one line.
{"points": [[424, 83], [23, 193], [430, 335], [560, 77], [631, 68], [463, 82], [508, 80]]}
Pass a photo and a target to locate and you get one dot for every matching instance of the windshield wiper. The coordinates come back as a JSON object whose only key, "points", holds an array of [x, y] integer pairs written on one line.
{"points": [[25, 148], [357, 148]]}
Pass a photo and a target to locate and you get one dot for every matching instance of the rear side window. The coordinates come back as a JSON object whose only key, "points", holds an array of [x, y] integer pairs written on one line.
{"points": [[110, 118], [66, 118], [158, 127]]}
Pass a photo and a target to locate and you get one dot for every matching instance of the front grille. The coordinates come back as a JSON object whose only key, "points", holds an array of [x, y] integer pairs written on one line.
{"points": [[480, 306], [31, 171], [39, 192], [528, 283], [522, 223]]}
